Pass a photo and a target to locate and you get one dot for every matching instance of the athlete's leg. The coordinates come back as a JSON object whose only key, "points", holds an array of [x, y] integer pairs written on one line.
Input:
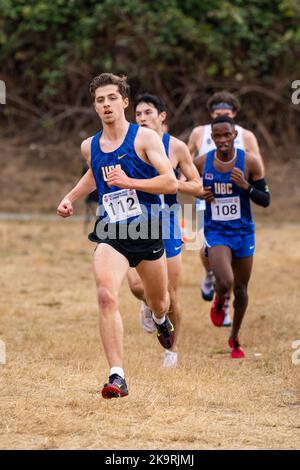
{"points": [[174, 269], [207, 285], [154, 276], [242, 268], [137, 288], [136, 284], [204, 259], [220, 261], [110, 268]]}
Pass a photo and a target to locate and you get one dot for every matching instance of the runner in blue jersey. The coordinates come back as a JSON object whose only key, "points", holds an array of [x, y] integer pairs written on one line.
{"points": [[231, 178], [150, 112], [130, 168], [221, 103]]}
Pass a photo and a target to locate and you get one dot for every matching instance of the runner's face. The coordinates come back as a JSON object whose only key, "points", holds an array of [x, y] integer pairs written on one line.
{"points": [[146, 115], [223, 112], [109, 103], [223, 135]]}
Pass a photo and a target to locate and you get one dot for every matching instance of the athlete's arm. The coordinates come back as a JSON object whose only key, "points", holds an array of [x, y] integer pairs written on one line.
{"points": [[150, 148], [192, 183], [251, 146], [195, 141], [207, 194], [85, 185], [256, 185]]}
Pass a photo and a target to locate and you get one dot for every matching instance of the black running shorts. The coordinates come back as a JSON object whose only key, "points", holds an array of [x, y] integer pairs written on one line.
{"points": [[135, 250]]}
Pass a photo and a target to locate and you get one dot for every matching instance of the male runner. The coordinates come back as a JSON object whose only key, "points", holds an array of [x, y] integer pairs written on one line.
{"points": [[200, 142], [231, 178], [150, 112], [130, 168]]}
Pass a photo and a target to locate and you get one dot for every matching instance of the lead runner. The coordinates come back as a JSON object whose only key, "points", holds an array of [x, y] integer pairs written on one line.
{"points": [[130, 168]]}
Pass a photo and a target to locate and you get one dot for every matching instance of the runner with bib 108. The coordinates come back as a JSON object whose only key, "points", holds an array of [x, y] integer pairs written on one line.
{"points": [[231, 178]]}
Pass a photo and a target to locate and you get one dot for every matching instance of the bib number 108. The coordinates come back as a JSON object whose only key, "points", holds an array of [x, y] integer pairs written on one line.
{"points": [[225, 209]]}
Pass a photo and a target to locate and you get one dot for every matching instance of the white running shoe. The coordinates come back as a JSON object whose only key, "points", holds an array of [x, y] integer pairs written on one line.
{"points": [[146, 318], [208, 286], [170, 359], [227, 318]]}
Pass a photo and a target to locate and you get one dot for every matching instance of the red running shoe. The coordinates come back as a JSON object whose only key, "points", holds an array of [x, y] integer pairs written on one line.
{"points": [[115, 388], [217, 311], [236, 350]]}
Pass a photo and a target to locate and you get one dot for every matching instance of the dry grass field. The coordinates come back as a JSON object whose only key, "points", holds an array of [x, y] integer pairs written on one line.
{"points": [[49, 387]]}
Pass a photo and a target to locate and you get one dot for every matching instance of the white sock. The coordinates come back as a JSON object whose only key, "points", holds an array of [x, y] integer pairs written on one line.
{"points": [[159, 321], [170, 353], [117, 370]]}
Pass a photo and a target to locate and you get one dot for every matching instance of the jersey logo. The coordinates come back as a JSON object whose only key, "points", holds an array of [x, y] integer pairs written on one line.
{"points": [[223, 188], [209, 176], [208, 141], [107, 169], [122, 156]]}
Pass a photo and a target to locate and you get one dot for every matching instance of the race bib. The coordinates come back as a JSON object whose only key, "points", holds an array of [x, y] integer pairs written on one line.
{"points": [[227, 208], [122, 204]]}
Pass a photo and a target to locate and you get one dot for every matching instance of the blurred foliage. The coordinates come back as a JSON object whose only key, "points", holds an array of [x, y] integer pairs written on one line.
{"points": [[49, 51]]}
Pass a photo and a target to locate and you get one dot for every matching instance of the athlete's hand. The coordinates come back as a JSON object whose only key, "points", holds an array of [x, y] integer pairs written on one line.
{"points": [[117, 177], [207, 195], [65, 208], [238, 177]]}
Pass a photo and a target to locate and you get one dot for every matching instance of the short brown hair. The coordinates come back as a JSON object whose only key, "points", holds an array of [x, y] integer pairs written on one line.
{"points": [[223, 97], [110, 79]]}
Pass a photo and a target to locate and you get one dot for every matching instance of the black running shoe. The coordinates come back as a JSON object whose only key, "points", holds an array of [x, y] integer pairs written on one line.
{"points": [[115, 388], [165, 333]]}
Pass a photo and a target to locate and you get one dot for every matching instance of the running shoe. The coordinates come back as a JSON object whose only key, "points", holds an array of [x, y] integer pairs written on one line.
{"points": [[217, 312], [236, 349], [208, 286], [227, 319], [115, 388], [165, 333], [170, 359], [146, 318]]}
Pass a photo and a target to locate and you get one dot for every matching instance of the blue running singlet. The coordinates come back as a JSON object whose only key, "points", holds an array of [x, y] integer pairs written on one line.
{"points": [[118, 205], [170, 224], [231, 212]]}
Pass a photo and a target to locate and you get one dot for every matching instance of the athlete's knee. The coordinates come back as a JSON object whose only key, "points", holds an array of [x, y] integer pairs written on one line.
{"points": [[225, 284], [107, 299], [159, 305]]}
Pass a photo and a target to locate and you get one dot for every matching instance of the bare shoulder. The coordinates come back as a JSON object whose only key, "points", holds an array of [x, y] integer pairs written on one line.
{"points": [[252, 163], [145, 134], [248, 133], [177, 145], [86, 148], [197, 132], [147, 141]]}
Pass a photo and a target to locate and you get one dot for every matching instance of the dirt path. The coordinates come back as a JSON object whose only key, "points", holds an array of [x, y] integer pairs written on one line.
{"points": [[55, 365]]}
